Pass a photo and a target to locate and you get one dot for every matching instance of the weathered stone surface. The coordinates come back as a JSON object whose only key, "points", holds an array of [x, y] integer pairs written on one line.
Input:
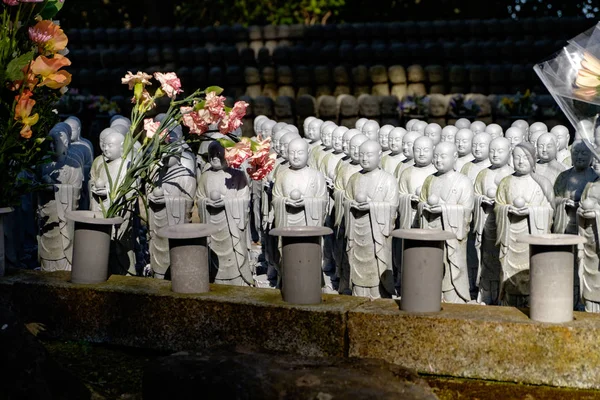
{"points": [[279, 377], [143, 312], [498, 343]]}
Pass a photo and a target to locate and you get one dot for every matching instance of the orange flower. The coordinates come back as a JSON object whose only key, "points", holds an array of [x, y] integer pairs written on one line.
{"points": [[48, 36], [23, 113], [48, 68], [30, 82]]}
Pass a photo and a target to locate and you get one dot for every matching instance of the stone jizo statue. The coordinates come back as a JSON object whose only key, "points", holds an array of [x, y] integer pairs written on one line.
{"points": [[547, 164], [448, 134], [390, 161], [562, 134], [463, 141], [371, 129], [434, 132], [480, 148]]}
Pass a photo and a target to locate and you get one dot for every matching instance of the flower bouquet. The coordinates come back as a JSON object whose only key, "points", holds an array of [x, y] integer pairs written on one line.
{"points": [[519, 105], [416, 106], [32, 55], [461, 107], [149, 142], [572, 76]]}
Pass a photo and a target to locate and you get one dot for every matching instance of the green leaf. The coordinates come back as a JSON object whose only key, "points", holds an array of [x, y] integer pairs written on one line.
{"points": [[51, 8], [15, 66], [215, 89], [226, 142]]}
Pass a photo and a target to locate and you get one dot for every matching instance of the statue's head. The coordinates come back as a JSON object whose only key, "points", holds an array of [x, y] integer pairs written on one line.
{"points": [[337, 138], [348, 135], [113, 146], [547, 147], [463, 141], [395, 139], [448, 134], [495, 130], [419, 127], [61, 140], [462, 123], [384, 136], [276, 137], [445, 156], [477, 127], [326, 134], [75, 125], [537, 128], [481, 145], [408, 142], [515, 135], [423, 151], [216, 156], [371, 129], [277, 127], [522, 124], [411, 122], [563, 136], [306, 123], [499, 152], [434, 132], [266, 128], [314, 130], [438, 105], [369, 155], [360, 123], [284, 142], [257, 121], [297, 153], [524, 158], [104, 134], [581, 156], [122, 129], [120, 120], [355, 144]]}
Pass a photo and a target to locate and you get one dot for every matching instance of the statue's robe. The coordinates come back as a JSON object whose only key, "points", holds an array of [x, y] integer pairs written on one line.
{"points": [[314, 154], [472, 168], [55, 237], [321, 157], [550, 170], [389, 162], [402, 166], [489, 272], [588, 259], [564, 157], [230, 245], [178, 183], [455, 192], [328, 168], [514, 256], [461, 161], [86, 157], [368, 233], [410, 180]]}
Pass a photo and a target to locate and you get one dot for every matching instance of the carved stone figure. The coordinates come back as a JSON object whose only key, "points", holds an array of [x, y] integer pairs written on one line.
{"points": [[420, 127], [371, 200], [326, 144], [62, 178], [390, 161], [416, 79], [547, 164], [495, 130], [434, 132], [523, 125], [589, 223], [524, 204], [463, 142], [410, 123], [480, 148], [448, 134], [223, 199], [408, 141], [383, 138], [360, 123], [537, 128], [284, 109], [446, 202], [371, 129], [368, 106], [515, 135], [86, 149], [305, 125], [314, 134], [348, 110], [562, 134], [411, 181], [477, 127], [484, 221], [438, 108], [462, 123], [318, 152], [263, 105], [327, 108], [331, 160]]}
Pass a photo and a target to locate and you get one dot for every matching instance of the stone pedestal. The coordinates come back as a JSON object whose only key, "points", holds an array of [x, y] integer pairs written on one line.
{"points": [[301, 275], [422, 268], [188, 251], [551, 262]]}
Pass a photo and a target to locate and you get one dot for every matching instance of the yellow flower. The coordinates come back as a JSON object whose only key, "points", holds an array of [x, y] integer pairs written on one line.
{"points": [[48, 69], [23, 113]]}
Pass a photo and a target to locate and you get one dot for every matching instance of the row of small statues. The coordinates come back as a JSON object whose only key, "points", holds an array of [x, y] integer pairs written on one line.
{"points": [[485, 185]]}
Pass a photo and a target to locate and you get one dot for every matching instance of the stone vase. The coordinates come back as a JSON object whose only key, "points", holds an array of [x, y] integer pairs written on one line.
{"points": [[301, 255], [188, 251], [3, 212], [91, 245]]}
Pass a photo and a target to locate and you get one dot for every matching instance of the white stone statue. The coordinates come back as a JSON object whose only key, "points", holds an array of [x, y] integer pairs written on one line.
{"points": [[589, 224], [484, 221], [547, 164], [462, 123], [331, 160], [463, 142], [305, 125], [384, 138], [62, 178], [420, 127], [537, 128], [448, 134], [85, 148], [326, 145], [477, 127], [314, 136], [411, 181], [360, 123], [390, 161], [562, 134], [446, 203], [370, 203], [434, 132], [524, 204], [410, 123], [495, 130], [371, 129], [408, 142], [223, 199], [344, 171], [516, 135], [480, 148], [257, 122], [523, 125]]}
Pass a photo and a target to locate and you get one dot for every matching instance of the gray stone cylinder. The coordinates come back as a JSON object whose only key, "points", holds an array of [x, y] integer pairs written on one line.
{"points": [[91, 246], [3, 211], [188, 252], [422, 269], [551, 259], [301, 274]]}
